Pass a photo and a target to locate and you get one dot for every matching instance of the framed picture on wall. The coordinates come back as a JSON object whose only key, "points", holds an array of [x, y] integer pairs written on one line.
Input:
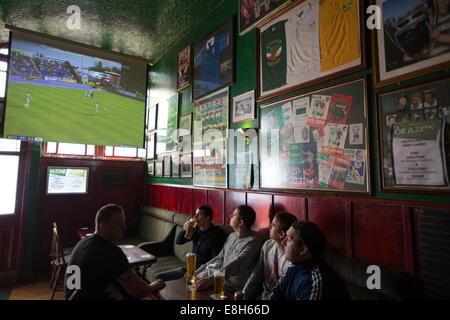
{"points": [[151, 145], [167, 166], [291, 56], [413, 39], [214, 60], [159, 166], [186, 124], [175, 165], [151, 168], [152, 116], [184, 68], [244, 107], [254, 12], [414, 131], [186, 165], [167, 125]]}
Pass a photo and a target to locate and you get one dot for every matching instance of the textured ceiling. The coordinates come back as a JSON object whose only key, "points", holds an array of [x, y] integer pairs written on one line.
{"points": [[143, 28]]}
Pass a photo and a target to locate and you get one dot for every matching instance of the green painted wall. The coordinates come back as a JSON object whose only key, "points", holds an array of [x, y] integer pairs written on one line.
{"points": [[162, 85]]}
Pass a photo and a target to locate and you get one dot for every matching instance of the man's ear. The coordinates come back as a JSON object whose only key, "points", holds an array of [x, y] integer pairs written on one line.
{"points": [[282, 234], [304, 250]]}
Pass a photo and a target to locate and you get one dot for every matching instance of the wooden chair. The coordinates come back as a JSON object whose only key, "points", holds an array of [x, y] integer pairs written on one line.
{"points": [[58, 260]]}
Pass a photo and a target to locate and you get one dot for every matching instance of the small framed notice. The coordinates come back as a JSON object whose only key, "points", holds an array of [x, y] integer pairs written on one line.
{"points": [[67, 180]]}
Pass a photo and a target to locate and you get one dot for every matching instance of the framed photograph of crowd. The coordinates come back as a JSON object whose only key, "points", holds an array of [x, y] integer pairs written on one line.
{"points": [[244, 107], [186, 165], [414, 129], [184, 68], [214, 60], [253, 13], [304, 45], [317, 141], [414, 39]]}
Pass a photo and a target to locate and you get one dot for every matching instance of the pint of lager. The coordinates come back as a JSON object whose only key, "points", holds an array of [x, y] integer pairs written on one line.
{"points": [[219, 283], [192, 225], [191, 261]]}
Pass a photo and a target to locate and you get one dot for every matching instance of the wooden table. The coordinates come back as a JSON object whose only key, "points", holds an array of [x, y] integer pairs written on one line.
{"points": [[178, 290]]}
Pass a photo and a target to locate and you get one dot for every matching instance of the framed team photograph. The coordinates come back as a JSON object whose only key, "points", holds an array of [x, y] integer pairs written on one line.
{"points": [[151, 168], [184, 68], [253, 13], [175, 157], [414, 135], [151, 145], [413, 39], [214, 60], [244, 107], [167, 166], [186, 165], [159, 166], [303, 45]]}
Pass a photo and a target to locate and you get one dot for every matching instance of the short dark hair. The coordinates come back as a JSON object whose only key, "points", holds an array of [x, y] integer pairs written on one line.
{"points": [[310, 235], [247, 214], [105, 213], [207, 211], [285, 219]]}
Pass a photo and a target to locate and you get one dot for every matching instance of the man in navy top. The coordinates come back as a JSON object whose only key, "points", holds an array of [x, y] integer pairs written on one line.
{"points": [[309, 278], [104, 268], [208, 240]]}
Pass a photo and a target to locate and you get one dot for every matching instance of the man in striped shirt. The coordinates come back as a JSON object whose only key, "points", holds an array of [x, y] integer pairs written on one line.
{"points": [[309, 278]]}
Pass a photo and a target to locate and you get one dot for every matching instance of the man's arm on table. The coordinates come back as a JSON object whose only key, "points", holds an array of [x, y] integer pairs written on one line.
{"points": [[136, 287]]}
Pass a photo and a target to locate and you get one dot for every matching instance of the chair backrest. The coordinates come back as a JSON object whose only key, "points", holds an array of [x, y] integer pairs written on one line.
{"points": [[57, 250]]}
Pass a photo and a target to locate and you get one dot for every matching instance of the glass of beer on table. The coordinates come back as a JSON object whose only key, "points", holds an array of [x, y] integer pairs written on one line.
{"points": [[219, 283], [192, 226], [191, 261]]}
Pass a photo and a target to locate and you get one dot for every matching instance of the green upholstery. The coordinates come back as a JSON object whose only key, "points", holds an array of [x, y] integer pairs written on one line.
{"points": [[354, 274], [163, 264], [181, 250]]}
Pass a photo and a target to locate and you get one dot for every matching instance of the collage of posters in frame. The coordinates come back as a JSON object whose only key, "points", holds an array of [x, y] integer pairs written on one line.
{"points": [[309, 42], [210, 140], [414, 128], [413, 39], [317, 141]]}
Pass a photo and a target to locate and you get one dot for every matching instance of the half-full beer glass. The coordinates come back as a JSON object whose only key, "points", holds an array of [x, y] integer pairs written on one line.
{"points": [[219, 283], [191, 261], [192, 225]]}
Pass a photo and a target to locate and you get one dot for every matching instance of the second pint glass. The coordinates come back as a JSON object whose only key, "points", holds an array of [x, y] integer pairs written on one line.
{"points": [[191, 261], [192, 225], [219, 283]]}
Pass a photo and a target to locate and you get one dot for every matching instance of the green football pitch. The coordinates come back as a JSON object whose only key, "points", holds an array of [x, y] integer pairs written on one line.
{"points": [[65, 115]]}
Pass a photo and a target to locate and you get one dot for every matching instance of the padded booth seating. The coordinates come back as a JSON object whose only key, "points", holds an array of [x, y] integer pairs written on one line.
{"points": [[394, 284]]}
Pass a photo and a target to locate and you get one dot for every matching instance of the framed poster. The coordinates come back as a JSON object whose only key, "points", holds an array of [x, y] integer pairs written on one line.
{"points": [[175, 158], [303, 45], [151, 145], [254, 12], [186, 165], [210, 164], [317, 141], [211, 116], [414, 131], [214, 61], [67, 180], [159, 166], [167, 166], [184, 68], [186, 124], [152, 116], [167, 125], [244, 107], [151, 168], [413, 39]]}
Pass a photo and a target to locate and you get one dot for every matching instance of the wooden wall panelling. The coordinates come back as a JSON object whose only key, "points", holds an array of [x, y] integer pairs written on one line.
{"points": [[174, 199], [294, 205], [330, 216], [407, 240], [232, 200], [163, 200], [199, 198], [262, 204], [378, 235], [186, 201], [216, 200]]}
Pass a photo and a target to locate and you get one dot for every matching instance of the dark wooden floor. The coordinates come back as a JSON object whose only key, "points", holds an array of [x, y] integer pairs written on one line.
{"points": [[36, 290]]}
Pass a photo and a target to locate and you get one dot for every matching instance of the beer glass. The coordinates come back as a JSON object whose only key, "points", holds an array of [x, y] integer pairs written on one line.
{"points": [[219, 283], [192, 225], [191, 261]]}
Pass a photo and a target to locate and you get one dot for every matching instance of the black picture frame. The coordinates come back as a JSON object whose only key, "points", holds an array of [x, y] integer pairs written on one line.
{"points": [[216, 51], [151, 145], [186, 165]]}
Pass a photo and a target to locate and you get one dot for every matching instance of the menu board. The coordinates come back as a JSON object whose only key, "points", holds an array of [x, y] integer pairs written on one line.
{"points": [[67, 180], [317, 141]]}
